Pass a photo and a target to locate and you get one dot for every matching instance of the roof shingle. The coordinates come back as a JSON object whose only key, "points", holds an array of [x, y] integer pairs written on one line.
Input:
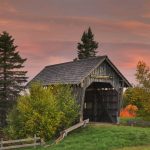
{"points": [[68, 73]]}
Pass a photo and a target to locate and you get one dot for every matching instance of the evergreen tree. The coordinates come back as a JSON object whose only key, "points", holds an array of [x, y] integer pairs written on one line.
{"points": [[11, 78], [87, 48]]}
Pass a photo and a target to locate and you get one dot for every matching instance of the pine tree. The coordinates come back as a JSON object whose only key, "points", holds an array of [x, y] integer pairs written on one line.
{"points": [[11, 77], [87, 48]]}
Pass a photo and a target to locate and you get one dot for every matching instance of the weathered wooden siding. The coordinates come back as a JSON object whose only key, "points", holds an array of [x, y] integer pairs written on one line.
{"points": [[103, 70], [79, 93]]}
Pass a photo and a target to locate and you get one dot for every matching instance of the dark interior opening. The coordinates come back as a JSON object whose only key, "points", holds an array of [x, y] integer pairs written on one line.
{"points": [[101, 103]]}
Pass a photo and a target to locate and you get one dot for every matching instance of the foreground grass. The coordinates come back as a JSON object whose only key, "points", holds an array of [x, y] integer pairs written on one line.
{"points": [[136, 148], [125, 120], [104, 137]]}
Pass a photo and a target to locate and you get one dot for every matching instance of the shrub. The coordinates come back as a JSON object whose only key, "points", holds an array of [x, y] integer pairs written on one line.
{"points": [[144, 112], [141, 98], [41, 112], [133, 96], [67, 104], [129, 111]]}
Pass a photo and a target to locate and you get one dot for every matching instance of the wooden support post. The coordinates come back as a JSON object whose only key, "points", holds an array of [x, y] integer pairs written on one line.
{"points": [[1, 143], [95, 108], [120, 103], [34, 140], [82, 104], [42, 141]]}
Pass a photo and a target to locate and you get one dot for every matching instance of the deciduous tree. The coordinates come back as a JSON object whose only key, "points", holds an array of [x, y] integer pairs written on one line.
{"points": [[143, 74], [45, 111], [140, 94]]}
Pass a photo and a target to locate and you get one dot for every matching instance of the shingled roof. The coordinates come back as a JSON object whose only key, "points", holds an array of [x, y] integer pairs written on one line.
{"points": [[70, 72]]}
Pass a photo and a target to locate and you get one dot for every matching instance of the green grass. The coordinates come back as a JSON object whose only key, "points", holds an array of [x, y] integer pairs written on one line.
{"points": [[125, 120], [136, 148], [139, 122], [104, 137]]}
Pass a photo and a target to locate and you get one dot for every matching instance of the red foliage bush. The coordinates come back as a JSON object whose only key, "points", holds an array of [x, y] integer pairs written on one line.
{"points": [[129, 111]]}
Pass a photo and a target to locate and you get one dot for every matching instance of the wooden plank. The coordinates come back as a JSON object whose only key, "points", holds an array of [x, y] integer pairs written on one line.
{"points": [[101, 77], [65, 132], [34, 140], [19, 143], [1, 142], [59, 139], [21, 140], [82, 104], [19, 146], [76, 126]]}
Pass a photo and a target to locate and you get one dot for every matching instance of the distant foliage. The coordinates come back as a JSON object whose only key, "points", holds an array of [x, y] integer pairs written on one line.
{"points": [[145, 109], [134, 96], [140, 95], [141, 98], [43, 112], [143, 75], [87, 47]]}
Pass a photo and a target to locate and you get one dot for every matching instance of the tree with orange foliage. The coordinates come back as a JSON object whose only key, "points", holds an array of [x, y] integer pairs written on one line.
{"points": [[140, 95]]}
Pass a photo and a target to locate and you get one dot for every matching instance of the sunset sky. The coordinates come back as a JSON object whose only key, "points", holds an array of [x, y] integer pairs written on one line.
{"points": [[47, 31]]}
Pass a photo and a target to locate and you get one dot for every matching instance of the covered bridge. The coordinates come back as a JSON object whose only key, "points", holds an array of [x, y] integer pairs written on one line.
{"points": [[97, 84]]}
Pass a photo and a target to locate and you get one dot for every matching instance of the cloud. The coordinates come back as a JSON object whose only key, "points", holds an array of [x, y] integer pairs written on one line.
{"points": [[146, 15], [99, 8], [127, 53], [47, 32], [70, 28], [7, 7], [126, 56]]}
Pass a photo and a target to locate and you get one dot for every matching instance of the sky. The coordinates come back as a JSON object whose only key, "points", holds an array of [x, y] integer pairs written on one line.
{"points": [[47, 31]]}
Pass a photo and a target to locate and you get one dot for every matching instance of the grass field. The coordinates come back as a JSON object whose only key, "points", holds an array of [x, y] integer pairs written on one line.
{"points": [[136, 148], [105, 137]]}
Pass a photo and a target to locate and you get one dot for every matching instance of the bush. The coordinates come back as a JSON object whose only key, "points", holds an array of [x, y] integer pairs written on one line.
{"points": [[133, 96], [42, 112], [129, 111], [139, 97], [144, 112], [67, 104]]}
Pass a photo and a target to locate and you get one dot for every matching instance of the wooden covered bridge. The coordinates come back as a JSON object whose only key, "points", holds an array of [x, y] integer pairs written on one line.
{"points": [[97, 84]]}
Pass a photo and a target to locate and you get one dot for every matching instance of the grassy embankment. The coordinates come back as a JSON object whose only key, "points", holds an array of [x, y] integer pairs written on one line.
{"points": [[105, 137]]}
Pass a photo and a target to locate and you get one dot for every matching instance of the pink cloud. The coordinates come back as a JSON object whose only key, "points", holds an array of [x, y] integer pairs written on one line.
{"points": [[7, 7], [126, 56], [48, 35], [146, 15]]}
